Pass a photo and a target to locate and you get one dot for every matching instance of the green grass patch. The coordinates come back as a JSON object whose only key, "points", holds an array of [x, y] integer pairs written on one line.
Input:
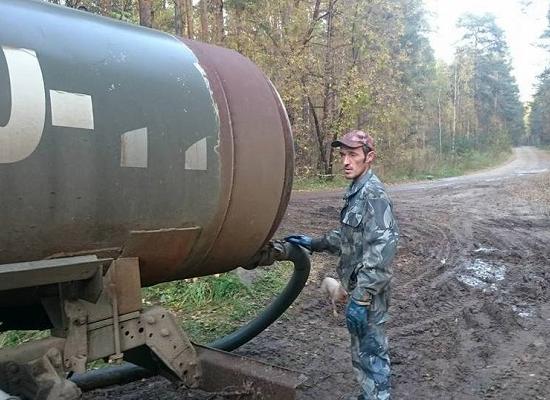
{"points": [[210, 307], [419, 168], [445, 167], [207, 307], [320, 183], [15, 338]]}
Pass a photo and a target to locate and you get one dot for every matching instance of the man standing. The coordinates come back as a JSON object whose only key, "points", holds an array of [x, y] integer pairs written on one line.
{"points": [[366, 243]]}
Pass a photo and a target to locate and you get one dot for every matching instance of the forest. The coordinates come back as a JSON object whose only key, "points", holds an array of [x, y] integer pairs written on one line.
{"points": [[367, 64], [539, 113]]}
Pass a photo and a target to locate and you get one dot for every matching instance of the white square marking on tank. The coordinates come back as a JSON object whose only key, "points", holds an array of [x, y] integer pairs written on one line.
{"points": [[133, 149], [72, 110], [195, 156]]}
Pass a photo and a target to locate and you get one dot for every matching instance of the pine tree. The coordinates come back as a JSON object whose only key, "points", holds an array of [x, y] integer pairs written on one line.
{"points": [[539, 118], [498, 113]]}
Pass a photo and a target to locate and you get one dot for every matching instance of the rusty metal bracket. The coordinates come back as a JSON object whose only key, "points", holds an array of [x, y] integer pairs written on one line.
{"points": [[38, 379], [274, 250], [76, 344], [169, 343], [223, 370], [220, 371], [117, 357], [47, 272]]}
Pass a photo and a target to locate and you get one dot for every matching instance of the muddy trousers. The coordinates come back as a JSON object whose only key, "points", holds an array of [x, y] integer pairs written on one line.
{"points": [[371, 362]]}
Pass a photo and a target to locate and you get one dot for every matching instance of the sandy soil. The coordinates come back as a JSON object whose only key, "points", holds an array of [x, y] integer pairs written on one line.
{"points": [[471, 296]]}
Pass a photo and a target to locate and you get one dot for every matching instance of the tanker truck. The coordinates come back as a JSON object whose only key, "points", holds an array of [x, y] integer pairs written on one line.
{"points": [[130, 157]]}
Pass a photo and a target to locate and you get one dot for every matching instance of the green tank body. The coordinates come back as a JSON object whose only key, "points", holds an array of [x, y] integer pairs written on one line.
{"points": [[121, 140]]}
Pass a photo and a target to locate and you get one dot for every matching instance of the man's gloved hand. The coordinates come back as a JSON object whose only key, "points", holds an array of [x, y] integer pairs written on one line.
{"points": [[300, 240], [357, 317]]}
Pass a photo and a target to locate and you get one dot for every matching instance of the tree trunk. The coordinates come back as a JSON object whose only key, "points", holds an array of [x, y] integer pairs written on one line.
{"points": [[189, 15], [354, 36], [439, 121], [204, 20], [239, 27], [318, 133], [328, 92], [105, 7], [219, 32], [179, 17], [455, 105], [495, 105], [146, 13], [314, 20], [417, 128]]}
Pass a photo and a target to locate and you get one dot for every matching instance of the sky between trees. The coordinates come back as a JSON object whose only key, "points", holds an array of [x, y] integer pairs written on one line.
{"points": [[523, 22]]}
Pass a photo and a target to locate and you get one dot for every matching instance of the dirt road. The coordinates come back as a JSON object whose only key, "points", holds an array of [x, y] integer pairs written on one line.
{"points": [[471, 297]]}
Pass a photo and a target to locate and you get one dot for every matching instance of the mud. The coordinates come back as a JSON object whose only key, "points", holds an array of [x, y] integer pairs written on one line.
{"points": [[471, 297]]}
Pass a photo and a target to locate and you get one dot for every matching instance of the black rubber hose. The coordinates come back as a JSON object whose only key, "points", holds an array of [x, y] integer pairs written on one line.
{"points": [[108, 376], [129, 372], [270, 314]]}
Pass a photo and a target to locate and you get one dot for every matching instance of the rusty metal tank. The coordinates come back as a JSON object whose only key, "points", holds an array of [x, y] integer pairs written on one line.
{"points": [[124, 140]]}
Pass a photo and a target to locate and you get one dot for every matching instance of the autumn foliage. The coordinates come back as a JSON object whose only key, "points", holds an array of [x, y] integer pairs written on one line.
{"points": [[341, 64]]}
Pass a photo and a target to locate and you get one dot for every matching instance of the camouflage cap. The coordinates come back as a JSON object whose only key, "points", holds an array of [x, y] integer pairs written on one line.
{"points": [[354, 139]]}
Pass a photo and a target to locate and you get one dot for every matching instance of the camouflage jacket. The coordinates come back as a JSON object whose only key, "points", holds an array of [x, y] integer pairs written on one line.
{"points": [[366, 243]]}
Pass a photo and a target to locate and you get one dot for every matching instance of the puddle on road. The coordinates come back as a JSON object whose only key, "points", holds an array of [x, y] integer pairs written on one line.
{"points": [[481, 274], [531, 172], [485, 250], [485, 275], [524, 311]]}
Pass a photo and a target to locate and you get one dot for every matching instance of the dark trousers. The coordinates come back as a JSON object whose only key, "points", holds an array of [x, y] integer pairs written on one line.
{"points": [[371, 361]]}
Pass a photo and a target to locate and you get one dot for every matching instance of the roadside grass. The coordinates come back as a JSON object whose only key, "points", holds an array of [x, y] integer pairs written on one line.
{"points": [[207, 307], [319, 183], [213, 306], [410, 169], [15, 338], [436, 168]]}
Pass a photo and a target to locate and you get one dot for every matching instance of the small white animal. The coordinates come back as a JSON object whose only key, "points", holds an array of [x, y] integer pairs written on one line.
{"points": [[335, 292]]}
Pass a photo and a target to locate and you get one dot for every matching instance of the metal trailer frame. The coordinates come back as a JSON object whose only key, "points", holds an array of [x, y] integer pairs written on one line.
{"points": [[95, 307]]}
